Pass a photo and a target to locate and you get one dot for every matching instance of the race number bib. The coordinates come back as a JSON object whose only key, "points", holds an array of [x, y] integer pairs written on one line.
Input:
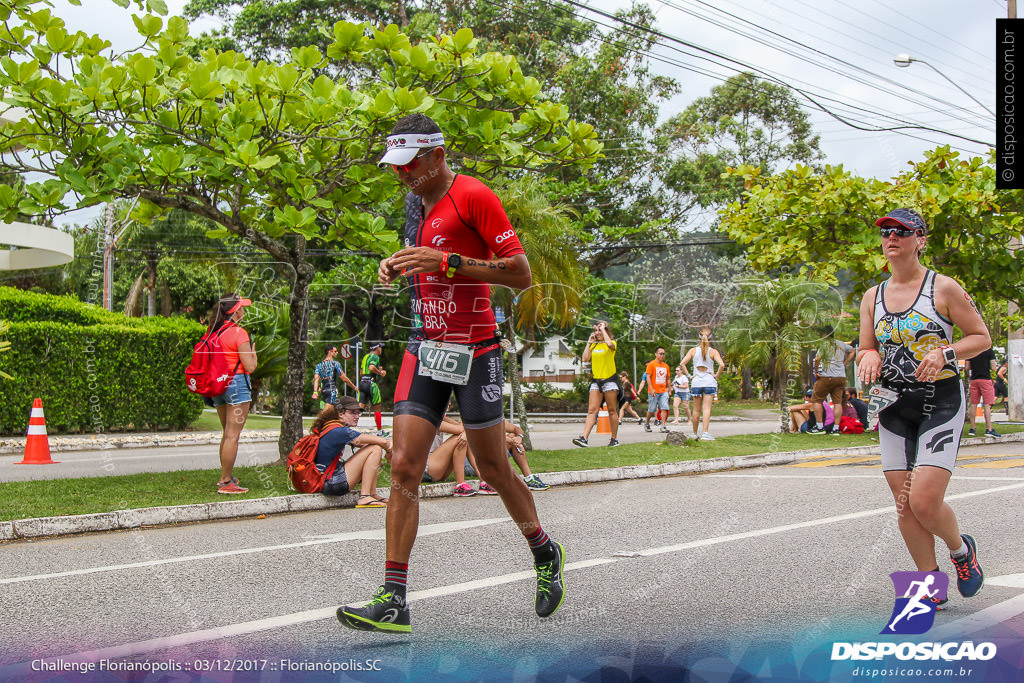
{"points": [[446, 362], [879, 398]]}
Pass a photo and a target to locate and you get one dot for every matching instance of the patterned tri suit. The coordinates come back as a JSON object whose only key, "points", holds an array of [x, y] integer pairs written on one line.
{"points": [[923, 427], [470, 221]]}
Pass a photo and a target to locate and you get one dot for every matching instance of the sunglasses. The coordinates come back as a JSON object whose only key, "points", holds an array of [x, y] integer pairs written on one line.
{"points": [[411, 166], [353, 411], [898, 230]]}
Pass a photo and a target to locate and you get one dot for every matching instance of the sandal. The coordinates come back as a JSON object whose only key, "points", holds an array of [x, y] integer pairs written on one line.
{"points": [[380, 498], [371, 502]]}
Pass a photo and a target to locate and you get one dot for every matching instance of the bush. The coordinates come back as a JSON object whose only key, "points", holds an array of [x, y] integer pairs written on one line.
{"points": [[95, 370], [729, 386]]}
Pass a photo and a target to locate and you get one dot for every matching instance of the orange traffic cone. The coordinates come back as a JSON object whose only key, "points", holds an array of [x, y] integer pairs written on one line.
{"points": [[37, 447], [979, 411], [604, 424]]}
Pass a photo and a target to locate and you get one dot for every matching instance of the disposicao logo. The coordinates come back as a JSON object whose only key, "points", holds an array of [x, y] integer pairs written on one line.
{"points": [[917, 596]]}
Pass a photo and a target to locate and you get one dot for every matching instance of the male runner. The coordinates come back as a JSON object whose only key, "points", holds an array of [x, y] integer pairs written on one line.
{"points": [[326, 376], [369, 392], [464, 243], [656, 379]]}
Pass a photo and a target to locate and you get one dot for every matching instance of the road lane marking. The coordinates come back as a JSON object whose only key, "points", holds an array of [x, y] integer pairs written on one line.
{"points": [[875, 477], [270, 623], [368, 535], [982, 619], [834, 461], [996, 464]]}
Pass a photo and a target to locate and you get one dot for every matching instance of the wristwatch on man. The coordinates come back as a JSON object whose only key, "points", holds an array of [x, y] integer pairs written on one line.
{"points": [[454, 261]]}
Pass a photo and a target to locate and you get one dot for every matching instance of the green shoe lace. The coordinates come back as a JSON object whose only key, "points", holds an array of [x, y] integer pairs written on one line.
{"points": [[543, 578], [381, 597]]}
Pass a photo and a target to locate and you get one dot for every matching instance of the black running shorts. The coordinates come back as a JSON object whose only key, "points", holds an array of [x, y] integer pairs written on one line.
{"points": [[480, 400], [923, 427]]}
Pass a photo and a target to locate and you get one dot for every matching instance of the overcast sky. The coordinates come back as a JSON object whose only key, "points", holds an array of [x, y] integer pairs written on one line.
{"points": [[840, 53]]}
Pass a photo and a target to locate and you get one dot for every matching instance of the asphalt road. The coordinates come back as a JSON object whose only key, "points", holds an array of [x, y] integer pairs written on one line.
{"points": [[758, 571], [118, 461]]}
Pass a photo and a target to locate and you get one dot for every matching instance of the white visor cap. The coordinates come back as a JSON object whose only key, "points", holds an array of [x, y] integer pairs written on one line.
{"points": [[402, 148]]}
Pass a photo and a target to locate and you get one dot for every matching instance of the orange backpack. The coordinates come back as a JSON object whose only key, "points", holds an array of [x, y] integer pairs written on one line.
{"points": [[303, 474]]}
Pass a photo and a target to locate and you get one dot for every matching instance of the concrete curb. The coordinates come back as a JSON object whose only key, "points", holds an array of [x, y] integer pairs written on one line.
{"points": [[42, 527], [61, 444]]}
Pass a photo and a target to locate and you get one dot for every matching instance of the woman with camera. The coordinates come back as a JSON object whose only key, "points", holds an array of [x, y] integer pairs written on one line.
{"points": [[604, 386]]}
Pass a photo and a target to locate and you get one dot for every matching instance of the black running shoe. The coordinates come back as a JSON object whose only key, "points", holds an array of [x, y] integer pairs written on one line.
{"points": [[581, 441], [550, 584], [939, 604], [386, 612]]}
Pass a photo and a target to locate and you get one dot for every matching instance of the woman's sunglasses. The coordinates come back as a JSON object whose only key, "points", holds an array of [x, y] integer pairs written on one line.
{"points": [[898, 230], [411, 166], [353, 411]]}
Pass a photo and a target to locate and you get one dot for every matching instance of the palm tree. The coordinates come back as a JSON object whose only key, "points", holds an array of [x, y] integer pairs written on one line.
{"points": [[553, 301], [780, 321]]}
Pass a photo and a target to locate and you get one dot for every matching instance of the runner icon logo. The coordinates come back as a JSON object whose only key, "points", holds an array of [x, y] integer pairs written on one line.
{"points": [[917, 594]]}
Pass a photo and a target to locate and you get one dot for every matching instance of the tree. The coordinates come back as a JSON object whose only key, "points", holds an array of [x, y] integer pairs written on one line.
{"points": [[274, 154], [603, 79], [745, 121], [778, 321], [553, 300], [823, 222]]}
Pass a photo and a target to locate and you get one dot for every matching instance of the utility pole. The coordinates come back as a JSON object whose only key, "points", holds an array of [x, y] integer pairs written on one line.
{"points": [[1015, 340], [108, 258]]}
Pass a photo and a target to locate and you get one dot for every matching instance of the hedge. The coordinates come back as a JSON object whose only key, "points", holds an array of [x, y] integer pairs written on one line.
{"points": [[95, 371]]}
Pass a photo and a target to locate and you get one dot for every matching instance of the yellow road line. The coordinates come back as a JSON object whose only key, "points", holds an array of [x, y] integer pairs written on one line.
{"points": [[997, 464]]}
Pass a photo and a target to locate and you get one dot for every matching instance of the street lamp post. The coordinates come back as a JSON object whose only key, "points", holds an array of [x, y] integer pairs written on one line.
{"points": [[1015, 338], [904, 60]]}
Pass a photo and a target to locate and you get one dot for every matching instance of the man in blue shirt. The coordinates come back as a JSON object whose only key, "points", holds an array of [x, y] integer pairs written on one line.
{"points": [[326, 376]]}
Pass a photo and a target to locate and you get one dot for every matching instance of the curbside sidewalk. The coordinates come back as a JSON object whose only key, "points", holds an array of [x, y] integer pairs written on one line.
{"points": [[60, 444], [42, 527]]}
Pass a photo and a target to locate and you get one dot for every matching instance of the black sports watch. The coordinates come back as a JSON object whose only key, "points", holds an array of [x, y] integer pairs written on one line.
{"points": [[454, 261], [949, 354]]}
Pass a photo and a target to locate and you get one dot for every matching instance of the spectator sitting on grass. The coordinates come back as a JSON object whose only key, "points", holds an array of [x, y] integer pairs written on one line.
{"points": [[360, 467], [450, 456], [801, 415], [860, 408], [514, 447]]}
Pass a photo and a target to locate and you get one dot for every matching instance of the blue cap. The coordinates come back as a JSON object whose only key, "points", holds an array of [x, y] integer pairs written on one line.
{"points": [[908, 218]]}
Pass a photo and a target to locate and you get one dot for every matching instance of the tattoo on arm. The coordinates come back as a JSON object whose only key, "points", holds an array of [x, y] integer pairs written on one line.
{"points": [[499, 265]]}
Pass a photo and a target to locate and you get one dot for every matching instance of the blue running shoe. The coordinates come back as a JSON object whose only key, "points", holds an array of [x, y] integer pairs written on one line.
{"points": [[969, 577]]}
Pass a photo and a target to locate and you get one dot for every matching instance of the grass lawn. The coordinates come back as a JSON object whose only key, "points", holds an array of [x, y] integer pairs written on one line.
{"points": [[209, 422], [104, 494]]}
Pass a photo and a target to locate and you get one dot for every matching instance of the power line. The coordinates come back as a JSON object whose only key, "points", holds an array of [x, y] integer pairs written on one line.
{"points": [[815, 51], [749, 67]]}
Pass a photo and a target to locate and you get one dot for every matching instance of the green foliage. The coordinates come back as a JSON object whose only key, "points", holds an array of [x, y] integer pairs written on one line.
{"points": [[552, 243], [778, 322], [5, 345], [275, 148], [822, 222], [95, 371], [20, 306], [728, 386], [743, 122]]}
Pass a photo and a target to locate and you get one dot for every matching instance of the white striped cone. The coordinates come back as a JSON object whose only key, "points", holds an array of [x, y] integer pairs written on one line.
{"points": [[37, 446]]}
